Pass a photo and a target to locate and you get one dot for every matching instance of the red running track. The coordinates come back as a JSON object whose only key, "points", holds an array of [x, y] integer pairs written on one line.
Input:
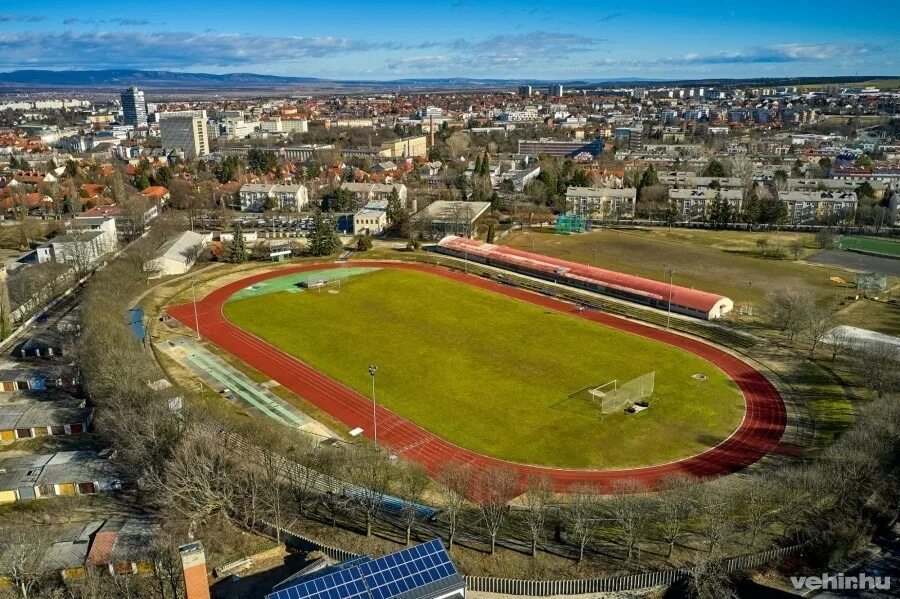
{"points": [[759, 432]]}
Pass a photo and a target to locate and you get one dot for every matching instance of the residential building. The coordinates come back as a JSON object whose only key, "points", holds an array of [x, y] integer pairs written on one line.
{"points": [[555, 90], [601, 203], [81, 248], [187, 134], [367, 192], [290, 198], [695, 203], [134, 108], [819, 207], [525, 91], [631, 138], [689, 179]]}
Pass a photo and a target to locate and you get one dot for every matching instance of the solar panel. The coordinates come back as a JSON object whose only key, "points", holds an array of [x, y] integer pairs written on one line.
{"points": [[381, 578], [408, 569]]}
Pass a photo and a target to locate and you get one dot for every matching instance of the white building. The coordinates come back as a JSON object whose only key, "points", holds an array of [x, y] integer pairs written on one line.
{"points": [[177, 255], [253, 197], [601, 203], [368, 192], [371, 220]]}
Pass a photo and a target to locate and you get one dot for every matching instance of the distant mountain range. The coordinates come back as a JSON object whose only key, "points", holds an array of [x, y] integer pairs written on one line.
{"points": [[121, 78]]}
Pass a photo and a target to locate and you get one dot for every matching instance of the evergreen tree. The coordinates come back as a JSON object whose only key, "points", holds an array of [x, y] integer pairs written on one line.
{"points": [[714, 169], [486, 164], [237, 251], [477, 169], [323, 238]]}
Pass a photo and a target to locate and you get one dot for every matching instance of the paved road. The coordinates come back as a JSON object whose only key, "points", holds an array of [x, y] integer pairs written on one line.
{"points": [[856, 261]]}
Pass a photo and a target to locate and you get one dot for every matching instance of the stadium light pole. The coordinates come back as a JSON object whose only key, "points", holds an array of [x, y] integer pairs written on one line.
{"points": [[671, 272], [372, 370], [196, 317]]}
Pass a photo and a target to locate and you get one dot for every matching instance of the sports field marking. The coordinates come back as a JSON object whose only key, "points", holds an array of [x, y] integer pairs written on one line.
{"points": [[291, 283]]}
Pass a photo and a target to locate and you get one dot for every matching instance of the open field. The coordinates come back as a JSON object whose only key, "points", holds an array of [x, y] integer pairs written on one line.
{"points": [[725, 262], [873, 315], [492, 374]]}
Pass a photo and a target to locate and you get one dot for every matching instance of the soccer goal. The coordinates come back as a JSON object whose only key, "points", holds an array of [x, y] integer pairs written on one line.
{"points": [[613, 397]]}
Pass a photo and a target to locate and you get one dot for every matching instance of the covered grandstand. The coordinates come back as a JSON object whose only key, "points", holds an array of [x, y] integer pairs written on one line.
{"points": [[656, 294]]}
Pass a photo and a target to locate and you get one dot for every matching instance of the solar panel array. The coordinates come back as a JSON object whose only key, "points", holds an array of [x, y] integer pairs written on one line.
{"points": [[381, 578], [408, 569]]}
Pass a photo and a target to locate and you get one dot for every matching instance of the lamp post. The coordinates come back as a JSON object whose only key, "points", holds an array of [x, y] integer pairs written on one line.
{"points": [[196, 317], [671, 272], [372, 370]]}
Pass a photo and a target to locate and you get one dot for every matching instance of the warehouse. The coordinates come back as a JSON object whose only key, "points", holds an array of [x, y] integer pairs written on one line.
{"points": [[656, 294]]}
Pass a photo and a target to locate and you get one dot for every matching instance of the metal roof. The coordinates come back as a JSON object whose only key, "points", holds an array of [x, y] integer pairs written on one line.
{"points": [[638, 286]]}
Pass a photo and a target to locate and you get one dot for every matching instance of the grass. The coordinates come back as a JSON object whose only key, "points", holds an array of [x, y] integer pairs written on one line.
{"points": [[878, 316], [725, 262], [493, 374]]}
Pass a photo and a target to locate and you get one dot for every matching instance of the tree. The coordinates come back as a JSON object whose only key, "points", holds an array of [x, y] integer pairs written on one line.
{"points": [[261, 161], [796, 248], [117, 186], [789, 310], [323, 237], [162, 176], [458, 143], [628, 510], [237, 249], [840, 341], [714, 168], [824, 238], [338, 199], [580, 514], [454, 480], [674, 507], [369, 469], [363, 243], [537, 500], [878, 365], [720, 212], [819, 321], [412, 483], [493, 488], [230, 169], [761, 244], [23, 548]]}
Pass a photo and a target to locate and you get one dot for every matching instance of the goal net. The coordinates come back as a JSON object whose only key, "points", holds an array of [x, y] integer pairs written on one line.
{"points": [[613, 397]]}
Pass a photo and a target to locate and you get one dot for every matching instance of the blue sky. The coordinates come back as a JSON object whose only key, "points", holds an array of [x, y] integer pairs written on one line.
{"points": [[456, 38]]}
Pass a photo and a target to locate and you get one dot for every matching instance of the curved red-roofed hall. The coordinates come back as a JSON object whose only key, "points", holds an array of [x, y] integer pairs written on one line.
{"points": [[656, 294]]}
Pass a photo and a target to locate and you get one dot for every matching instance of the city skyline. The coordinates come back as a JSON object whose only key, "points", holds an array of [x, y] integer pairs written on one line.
{"points": [[459, 38]]}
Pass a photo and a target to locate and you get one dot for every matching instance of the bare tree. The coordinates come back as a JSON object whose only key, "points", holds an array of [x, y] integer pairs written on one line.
{"points": [[840, 340], [368, 469], [580, 514], [537, 500], [493, 488], [628, 509], [878, 364], [21, 549], [789, 311], [199, 480], [819, 321], [455, 480], [674, 507], [273, 489], [709, 579], [412, 482]]}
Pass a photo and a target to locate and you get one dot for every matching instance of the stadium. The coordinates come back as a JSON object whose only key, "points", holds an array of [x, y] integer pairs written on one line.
{"points": [[460, 377]]}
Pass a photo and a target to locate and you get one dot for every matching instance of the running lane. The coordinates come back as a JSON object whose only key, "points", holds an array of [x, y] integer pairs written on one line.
{"points": [[759, 432]]}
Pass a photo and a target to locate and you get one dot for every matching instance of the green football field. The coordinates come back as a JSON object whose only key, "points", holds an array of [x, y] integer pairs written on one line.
{"points": [[494, 374]]}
